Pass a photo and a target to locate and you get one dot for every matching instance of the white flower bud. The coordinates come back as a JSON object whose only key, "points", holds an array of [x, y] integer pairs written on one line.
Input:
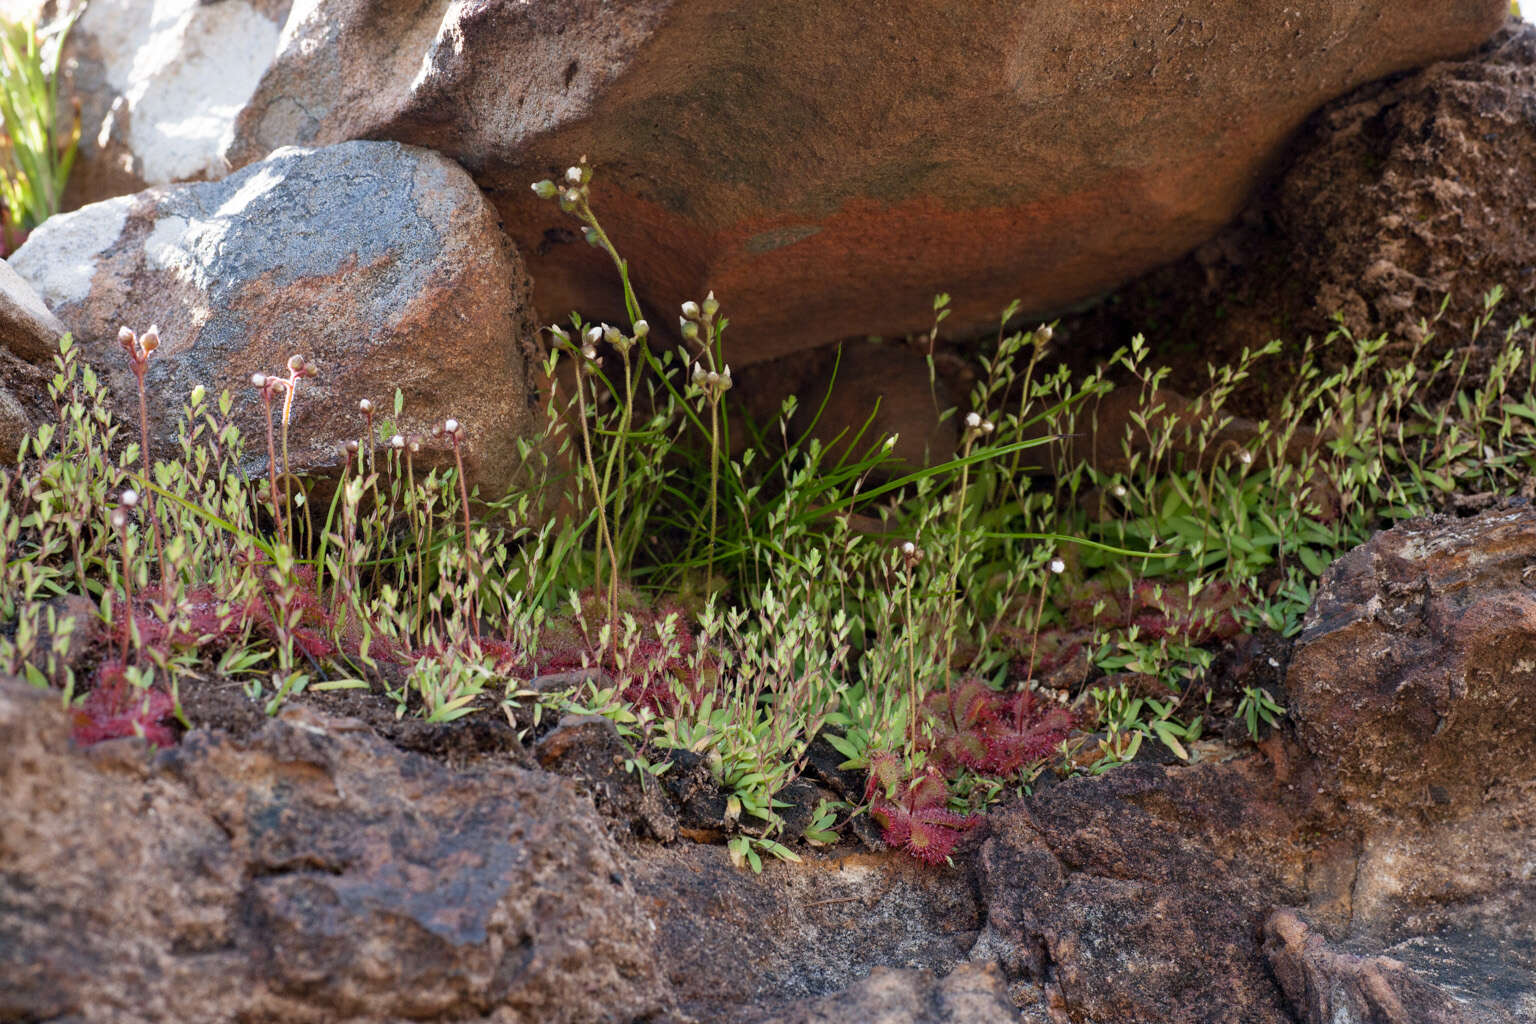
{"points": [[691, 310], [641, 328], [298, 499], [364, 406], [125, 336], [711, 307], [352, 447], [712, 378], [572, 196], [589, 353], [258, 380], [890, 441], [908, 548], [397, 442], [1118, 490], [613, 335], [1058, 566], [987, 426], [119, 519], [129, 498], [150, 339], [451, 426], [698, 373], [973, 421], [1044, 334], [1245, 456], [594, 334], [690, 330], [559, 332], [545, 189], [573, 175], [198, 394]]}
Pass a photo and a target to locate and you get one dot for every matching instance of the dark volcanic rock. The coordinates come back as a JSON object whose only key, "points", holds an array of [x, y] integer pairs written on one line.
{"points": [[311, 874], [1139, 896], [1413, 682]]}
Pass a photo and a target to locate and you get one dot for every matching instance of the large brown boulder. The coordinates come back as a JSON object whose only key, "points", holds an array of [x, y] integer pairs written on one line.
{"points": [[824, 168], [379, 263]]}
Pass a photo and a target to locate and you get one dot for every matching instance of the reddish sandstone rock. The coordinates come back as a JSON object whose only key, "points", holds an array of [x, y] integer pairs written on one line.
{"points": [[826, 169]]}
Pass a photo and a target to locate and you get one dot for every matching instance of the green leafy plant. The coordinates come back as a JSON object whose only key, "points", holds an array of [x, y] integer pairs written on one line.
{"points": [[38, 153]]}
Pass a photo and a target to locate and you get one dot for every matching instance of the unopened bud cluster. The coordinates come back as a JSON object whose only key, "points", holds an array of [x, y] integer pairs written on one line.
{"points": [[571, 190], [911, 554], [977, 426], [139, 346], [714, 383]]}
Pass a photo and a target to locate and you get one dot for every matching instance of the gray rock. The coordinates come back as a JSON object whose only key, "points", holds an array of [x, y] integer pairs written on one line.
{"points": [[380, 263], [27, 328]]}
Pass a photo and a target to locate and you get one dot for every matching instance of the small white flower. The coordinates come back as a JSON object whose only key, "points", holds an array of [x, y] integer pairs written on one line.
{"points": [[572, 196], [973, 421], [129, 498], [987, 427], [908, 548], [1118, 490], [1058, 566], [1245, 457], [119, 518], [258, 380], [589, 353], [451, 426], [397, 442], [691, 310], [594, 334], [298, 499], [573, 175], [1273, 663]]}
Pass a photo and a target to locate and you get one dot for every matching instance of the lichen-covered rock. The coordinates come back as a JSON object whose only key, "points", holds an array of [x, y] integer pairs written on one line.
{"points": [[889, 995], [380, 263], [1413, 682], [1328, 983]]}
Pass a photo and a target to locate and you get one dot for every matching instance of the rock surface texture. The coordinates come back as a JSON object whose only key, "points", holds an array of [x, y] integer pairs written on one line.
{"points": [[1399, 198], [379, 263], [825, 169], [307, 869]]}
